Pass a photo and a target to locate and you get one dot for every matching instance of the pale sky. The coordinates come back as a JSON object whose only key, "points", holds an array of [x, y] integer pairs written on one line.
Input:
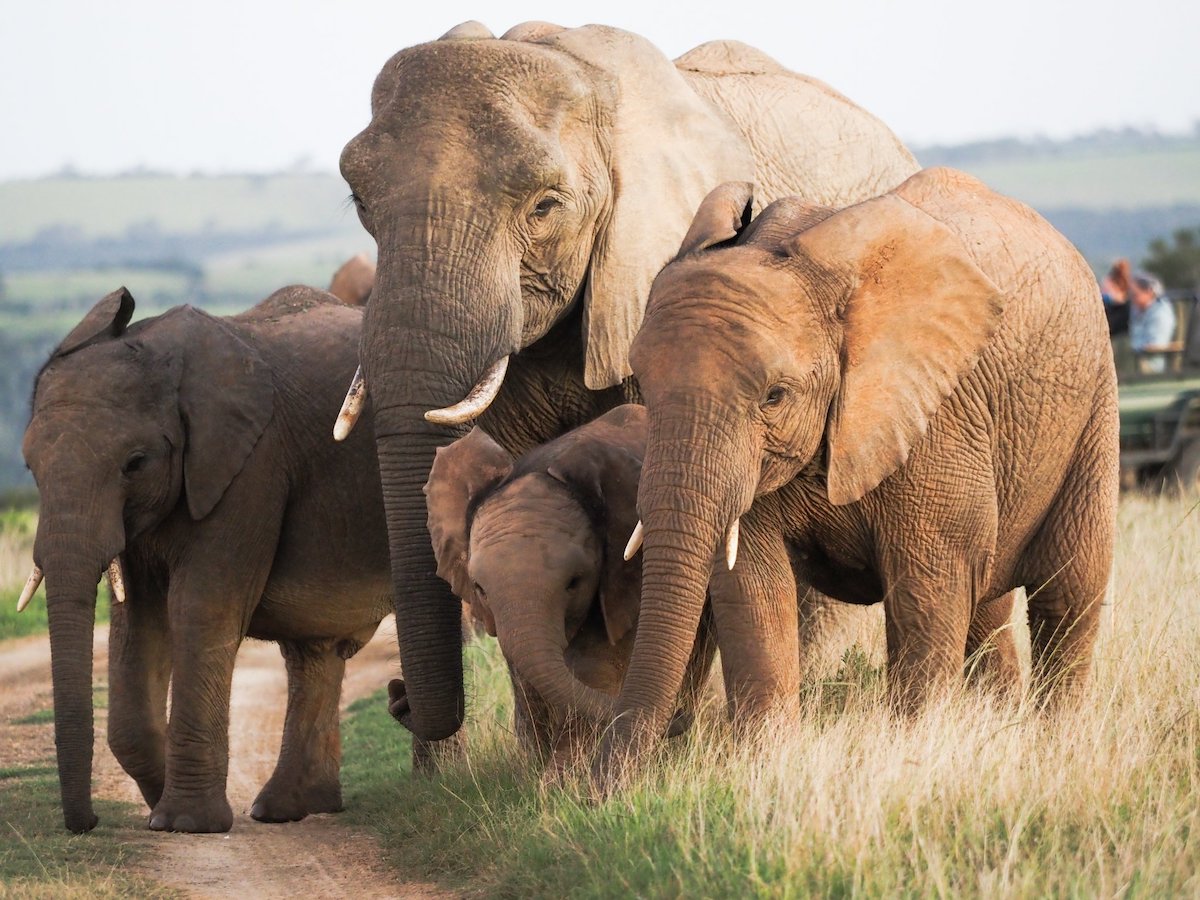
{"points": [[218, 85]]}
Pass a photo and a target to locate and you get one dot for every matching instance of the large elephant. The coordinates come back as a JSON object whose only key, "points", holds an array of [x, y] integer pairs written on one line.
{"points": [[911, 401], [536, 545], [523, 193], [190, 457]]}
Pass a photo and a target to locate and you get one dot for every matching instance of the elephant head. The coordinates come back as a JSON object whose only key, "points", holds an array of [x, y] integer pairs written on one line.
{"points": [[510, 184], [129, 425], [818, 343], [535, 545]]}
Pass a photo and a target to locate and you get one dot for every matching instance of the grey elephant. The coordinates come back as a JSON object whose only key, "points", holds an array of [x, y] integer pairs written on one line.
{"points": [[190, 457], [910, 401], [523, 192], [536, 545]]}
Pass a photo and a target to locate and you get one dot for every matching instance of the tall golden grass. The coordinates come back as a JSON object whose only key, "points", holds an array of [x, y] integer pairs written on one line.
{"points": [[974, 797]]}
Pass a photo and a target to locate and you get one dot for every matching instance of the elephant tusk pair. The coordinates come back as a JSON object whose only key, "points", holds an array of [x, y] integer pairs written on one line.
{"points": [[478, 400], [731, 542], [351, 407], [116, 582]]}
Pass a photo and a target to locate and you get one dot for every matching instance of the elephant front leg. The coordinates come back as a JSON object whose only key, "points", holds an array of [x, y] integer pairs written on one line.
{"points": [[927, 612], [205, 638], [991, 659], [139, 670], [306, 778], [754, 608]]}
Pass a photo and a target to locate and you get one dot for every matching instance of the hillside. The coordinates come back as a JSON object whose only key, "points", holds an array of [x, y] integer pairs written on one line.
{"points": [[224, 242]]}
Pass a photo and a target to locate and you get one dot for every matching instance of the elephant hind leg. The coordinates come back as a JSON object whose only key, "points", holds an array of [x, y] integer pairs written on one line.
{"points": [[307, 776], [1067, 566]]}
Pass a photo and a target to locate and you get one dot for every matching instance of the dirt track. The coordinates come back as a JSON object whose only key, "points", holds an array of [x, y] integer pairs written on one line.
{"points": [[317, 857]]}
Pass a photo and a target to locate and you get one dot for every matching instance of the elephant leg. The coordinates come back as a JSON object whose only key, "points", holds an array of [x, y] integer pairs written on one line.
{"points": [[306, 778], [139, 670], [991, 658], [1066, 572], [207, 626], [927, 611], [754, 609]]}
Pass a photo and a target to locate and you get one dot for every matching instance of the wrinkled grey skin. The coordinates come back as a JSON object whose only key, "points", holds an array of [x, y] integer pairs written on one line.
{"points": [[523, 192], [536, 546], [197, 449], [910, 401]]}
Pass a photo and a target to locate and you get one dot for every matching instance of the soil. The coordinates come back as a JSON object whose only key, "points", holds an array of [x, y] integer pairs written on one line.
{"points": [[317, 857]]}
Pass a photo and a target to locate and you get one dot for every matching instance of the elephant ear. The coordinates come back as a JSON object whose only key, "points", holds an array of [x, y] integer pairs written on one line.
{"points": [[226, 399], [462, 473], [605, 466], [722, 216], [915, 319], [107, 319], [668, 148]]}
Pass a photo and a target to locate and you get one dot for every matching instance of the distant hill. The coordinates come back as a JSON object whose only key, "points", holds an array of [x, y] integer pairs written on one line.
{"points": [[224, 242]]}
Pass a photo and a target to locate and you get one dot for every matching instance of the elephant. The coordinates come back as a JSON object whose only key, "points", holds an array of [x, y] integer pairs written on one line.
{"points": [[909, 401], [189, 456], [536, 546], [353, 281], [523, 192]]}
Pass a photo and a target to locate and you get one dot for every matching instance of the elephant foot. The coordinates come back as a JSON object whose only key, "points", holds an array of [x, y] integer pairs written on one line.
{"points": [[152, 790], [193, 815], [291, 803]]}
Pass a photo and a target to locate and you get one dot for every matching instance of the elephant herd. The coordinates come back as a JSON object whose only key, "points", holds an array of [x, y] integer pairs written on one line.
{"points": [[728, 350]]}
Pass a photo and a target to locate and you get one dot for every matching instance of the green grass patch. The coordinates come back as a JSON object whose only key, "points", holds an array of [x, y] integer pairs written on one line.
{"points": [[38, 858]]}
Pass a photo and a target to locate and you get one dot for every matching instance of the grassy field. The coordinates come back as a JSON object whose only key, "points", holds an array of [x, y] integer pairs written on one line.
{"points": [[1111, 181], [973, 798], [105, 207]]}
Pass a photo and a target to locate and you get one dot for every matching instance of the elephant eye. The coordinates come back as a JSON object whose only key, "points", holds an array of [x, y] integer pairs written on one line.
{"points": [[135, 462], [774, 396], [545, 206], [573, 583]]}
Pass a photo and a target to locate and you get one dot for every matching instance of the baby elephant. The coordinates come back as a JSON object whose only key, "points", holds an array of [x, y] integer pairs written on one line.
{"points": [[535, 547]]}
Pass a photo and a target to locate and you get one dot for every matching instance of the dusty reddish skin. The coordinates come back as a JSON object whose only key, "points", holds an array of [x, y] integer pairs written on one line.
{"points": [[911, 401]]}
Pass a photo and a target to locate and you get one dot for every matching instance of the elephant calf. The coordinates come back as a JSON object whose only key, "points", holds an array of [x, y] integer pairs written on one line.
{"points": [[910, 401], [191, 457], [536, 546]]}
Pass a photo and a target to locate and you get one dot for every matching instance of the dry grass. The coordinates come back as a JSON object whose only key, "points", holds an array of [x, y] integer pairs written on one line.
{"points": [[973, 798]]}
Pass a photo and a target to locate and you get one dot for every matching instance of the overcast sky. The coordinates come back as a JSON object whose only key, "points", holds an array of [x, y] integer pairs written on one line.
{"points": [[258, 85]]}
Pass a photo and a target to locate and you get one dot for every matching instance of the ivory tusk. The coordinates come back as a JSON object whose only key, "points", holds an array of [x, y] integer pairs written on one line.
{"points": [[351, 407], [635, 541], [31, 586], [731, 544], [478, 400], [116, 580]]}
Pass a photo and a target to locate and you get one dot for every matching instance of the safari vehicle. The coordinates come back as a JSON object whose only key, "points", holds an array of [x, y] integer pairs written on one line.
{"points": [[1160, 413]]}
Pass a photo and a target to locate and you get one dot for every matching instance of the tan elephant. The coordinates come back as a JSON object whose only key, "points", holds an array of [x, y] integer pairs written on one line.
{"points": [[536, 546], [911, 401], [353, 282], [523, 193]]}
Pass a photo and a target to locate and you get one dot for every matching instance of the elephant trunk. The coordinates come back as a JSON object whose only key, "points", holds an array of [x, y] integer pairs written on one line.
{"points": [[535, 643], [73, 562], [439, 317], [688, 505]]}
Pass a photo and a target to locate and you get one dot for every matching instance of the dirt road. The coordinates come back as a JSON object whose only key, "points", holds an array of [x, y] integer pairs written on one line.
{"points": [[317, 857]]}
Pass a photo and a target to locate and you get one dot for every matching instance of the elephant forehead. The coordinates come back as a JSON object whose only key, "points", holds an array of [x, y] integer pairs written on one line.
{"points": [[533, 516], [112, 378], [476, 83]]}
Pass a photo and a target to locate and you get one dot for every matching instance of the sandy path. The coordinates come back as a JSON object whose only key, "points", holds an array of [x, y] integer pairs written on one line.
{"points": [[317, 857]]}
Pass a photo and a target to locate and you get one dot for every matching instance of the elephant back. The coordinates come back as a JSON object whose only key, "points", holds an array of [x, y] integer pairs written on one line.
{"points": [[808, 140]]}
